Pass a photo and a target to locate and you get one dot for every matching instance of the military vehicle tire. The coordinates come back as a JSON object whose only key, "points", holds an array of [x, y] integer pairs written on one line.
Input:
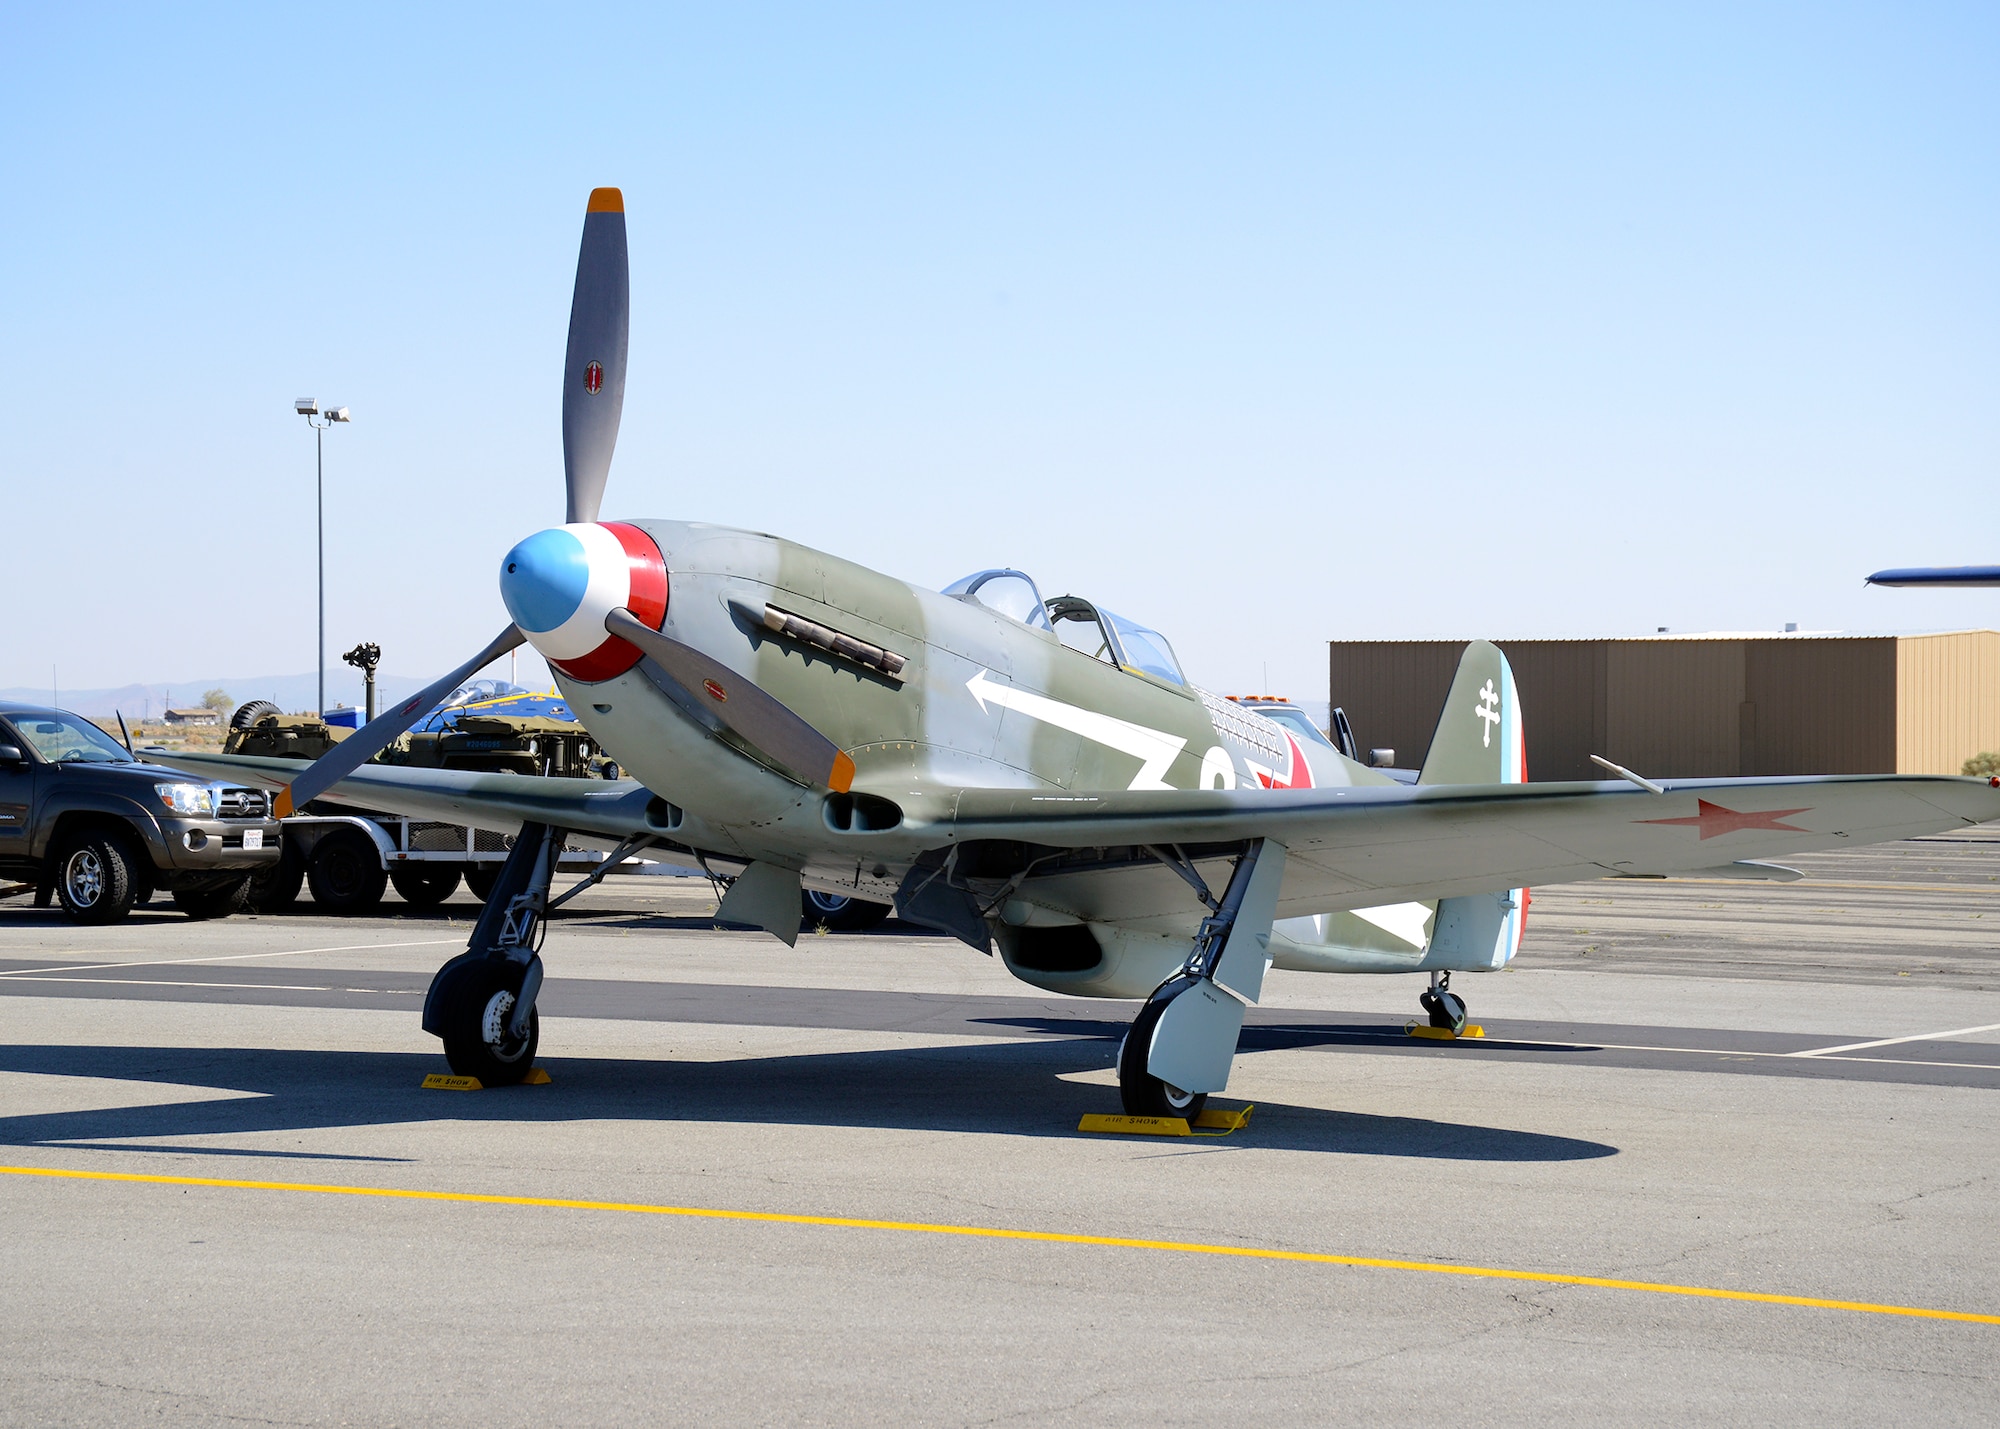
{"points": [[425, 885], [481, 879], [277, 888], [838, 913], [346, 872], [248, 714], [481, 1006], [204, 903], [1143, 1093], [97, 877]]}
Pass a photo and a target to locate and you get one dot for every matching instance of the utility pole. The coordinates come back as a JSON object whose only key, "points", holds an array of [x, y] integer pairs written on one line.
{"points": [[308, 407]]}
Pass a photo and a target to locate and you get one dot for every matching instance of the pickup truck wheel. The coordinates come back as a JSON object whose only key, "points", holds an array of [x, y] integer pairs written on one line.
{"points": [[346, 872], [425, 885], [277, 887], [205, 903], [97, 877]]}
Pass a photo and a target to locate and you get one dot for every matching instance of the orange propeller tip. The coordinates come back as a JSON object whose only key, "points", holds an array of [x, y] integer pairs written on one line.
{"points": [[842, 778], [606, 201], [281, 807]]}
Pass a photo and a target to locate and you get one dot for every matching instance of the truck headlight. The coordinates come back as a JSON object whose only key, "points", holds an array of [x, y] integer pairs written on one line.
{"points": [[186, 799]]}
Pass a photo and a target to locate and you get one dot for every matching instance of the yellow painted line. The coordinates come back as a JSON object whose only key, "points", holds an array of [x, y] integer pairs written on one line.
{"points": [[225, 958], [1241, 1252]]}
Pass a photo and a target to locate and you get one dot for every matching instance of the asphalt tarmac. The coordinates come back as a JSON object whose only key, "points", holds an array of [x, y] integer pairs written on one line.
{"points": [[1726, 1153]]}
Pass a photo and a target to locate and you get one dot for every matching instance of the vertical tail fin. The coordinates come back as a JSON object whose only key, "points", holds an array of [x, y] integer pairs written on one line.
{"points": [[1479, 739]]}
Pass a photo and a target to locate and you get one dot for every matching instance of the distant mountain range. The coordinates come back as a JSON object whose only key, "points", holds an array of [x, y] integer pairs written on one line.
{"points": [[287, 692]]}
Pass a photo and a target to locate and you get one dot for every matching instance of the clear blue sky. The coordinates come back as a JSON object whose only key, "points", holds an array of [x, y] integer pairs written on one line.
{"points": [[1263, 324]]}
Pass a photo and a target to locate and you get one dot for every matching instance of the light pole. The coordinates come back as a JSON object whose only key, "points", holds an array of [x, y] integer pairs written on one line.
{"points": [[308, 407]]}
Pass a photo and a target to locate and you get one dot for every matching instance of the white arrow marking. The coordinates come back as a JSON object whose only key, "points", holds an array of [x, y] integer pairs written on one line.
{"points": [[1154, 749]]}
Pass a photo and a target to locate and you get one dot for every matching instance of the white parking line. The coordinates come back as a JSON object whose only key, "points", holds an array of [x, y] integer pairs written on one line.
{"points": [[225, 958], [1892, 1041], [175, 982]]}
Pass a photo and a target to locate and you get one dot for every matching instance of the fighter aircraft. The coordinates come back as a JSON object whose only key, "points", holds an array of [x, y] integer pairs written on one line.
{"points": [[1033, 775]]}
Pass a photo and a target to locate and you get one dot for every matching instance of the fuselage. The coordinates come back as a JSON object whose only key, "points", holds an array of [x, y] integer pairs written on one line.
{"points": [[978, 698]]}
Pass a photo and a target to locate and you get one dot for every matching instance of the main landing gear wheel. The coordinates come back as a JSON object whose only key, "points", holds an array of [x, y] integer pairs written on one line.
{"points": [[1445, 1007], [1143, 1093], [476, 1038]]}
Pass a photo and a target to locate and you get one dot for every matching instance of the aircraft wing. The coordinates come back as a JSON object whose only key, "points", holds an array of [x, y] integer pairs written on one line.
{"points": [[613, 809], [1365, 847]]}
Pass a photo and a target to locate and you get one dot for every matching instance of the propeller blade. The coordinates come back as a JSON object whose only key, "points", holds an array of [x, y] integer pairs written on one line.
{"points": [[757, 717], [600, 319], [373, 737]]}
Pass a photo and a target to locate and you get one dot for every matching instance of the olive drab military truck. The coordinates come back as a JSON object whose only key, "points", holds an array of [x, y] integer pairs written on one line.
{"points": [[349, 857]]}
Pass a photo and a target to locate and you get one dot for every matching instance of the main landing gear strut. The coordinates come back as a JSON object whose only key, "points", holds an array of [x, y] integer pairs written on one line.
{"points": [[1180, 1046], [482, 1002]]}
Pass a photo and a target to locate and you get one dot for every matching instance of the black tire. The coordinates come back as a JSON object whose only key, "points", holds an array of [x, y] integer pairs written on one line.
{"points": [[481, 1002], [276, 888], [1446, 1010], [346, 872], [838, 913], [247, 715], [425, 885], [97, 877], [1143, 1093], [204, 903], [481, 879]]}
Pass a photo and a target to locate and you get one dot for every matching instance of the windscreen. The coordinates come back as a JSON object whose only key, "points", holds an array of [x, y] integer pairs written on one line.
{"points": [[65, 739], [1145, 649]]}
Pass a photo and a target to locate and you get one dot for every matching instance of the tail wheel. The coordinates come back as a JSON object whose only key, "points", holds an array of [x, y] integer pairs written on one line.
{"points": [[477, 1042], [1143, 1093], [425, 885], [97, 878]]}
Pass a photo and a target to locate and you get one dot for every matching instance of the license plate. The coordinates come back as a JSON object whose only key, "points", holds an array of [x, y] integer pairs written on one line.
{"points": [[253, 838]]}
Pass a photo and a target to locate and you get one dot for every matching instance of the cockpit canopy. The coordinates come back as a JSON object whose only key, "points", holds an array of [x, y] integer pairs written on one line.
{"points": [[1010, 593], [1083, 627]]}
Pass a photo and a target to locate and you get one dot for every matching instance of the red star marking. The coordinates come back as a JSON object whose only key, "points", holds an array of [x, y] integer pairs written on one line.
{"points": [[1298, 769], [1714, 820]]}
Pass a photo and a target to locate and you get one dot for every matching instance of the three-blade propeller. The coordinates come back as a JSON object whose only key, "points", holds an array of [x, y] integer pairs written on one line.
{"points": [[593, 402]]}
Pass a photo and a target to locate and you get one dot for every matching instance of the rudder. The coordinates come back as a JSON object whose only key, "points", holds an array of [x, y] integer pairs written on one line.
{"points": [[1479, 739]]}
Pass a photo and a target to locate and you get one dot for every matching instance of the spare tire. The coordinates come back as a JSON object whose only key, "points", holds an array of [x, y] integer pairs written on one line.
{"points": [[247, 715]]}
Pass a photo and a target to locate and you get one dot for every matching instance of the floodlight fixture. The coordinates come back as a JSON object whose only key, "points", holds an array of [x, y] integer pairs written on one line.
{"points": [[308, 407]]}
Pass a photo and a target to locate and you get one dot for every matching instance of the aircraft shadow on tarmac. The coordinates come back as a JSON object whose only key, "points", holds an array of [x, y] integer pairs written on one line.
{"points": [[1013, 1088]]}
